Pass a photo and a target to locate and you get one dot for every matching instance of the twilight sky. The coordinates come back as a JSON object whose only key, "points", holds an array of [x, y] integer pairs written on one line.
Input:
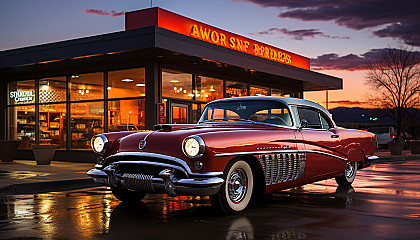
{"points": [[338, 36]]}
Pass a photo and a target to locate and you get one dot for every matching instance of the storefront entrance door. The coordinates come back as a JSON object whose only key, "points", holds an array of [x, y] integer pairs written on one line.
{"points": [[179, 113]]}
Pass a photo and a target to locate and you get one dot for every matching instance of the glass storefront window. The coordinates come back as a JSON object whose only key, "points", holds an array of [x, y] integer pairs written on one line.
{"points": [[52, 90], [278, 93], [177, 84], [21, 124], [87, 86], [87, 120], [234, 89], [53, 125], [22, 92], [208, 89], [126, 115], [257, 91], [126, 83]]}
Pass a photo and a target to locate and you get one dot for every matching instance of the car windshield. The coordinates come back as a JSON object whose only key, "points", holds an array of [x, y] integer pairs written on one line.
{"points": [[271, 112]]}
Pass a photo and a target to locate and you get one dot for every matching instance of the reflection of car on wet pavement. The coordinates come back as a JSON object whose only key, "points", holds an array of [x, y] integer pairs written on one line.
{"points": [[240, 147]]}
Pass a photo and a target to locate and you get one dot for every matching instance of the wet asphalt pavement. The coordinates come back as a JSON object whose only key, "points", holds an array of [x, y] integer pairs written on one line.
{"points": [[384, 203]]}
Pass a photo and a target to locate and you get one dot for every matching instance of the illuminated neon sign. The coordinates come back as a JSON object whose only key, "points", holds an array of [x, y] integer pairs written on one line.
{"points": [[23, 96], [186, 26]]}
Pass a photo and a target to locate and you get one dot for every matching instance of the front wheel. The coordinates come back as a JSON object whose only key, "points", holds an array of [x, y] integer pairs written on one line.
{"points": [[236, 191], [349, 174], [127, 195]]}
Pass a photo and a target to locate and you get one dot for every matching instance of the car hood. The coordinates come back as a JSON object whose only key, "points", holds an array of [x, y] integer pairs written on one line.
{"points": [[169, 142]]}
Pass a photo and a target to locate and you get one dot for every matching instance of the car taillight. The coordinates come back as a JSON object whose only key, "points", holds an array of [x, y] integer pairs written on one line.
{"points": [[392, 136]]}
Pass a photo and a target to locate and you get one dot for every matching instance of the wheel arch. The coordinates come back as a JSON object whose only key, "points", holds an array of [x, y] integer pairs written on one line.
{"points": [[357, 155]]}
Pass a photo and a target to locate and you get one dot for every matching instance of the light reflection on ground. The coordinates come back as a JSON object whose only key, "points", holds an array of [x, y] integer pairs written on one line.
{"points": [[20, 174], [384, 202]]}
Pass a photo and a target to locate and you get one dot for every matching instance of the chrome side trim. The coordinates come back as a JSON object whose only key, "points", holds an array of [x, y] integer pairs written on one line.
{"points": [[255, 153], [324, 153], [283, 167], [281, 151]]}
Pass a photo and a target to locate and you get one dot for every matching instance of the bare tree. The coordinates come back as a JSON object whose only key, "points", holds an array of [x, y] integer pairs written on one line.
{"points": [[394, 77]]}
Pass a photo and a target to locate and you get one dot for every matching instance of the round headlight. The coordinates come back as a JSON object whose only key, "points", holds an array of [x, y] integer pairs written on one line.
{"points": [[193, 147], [98, 143]]}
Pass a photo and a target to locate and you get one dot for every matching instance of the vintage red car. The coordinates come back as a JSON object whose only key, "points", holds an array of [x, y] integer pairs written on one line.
{"points": [[240, 147]]}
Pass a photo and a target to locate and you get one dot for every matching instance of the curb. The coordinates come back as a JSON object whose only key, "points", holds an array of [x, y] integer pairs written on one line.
{"points": [[398, 157], [52, 186]]}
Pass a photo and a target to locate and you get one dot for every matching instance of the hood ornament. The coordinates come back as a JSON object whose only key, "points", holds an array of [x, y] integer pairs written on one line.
{"points": [[142, 144]]}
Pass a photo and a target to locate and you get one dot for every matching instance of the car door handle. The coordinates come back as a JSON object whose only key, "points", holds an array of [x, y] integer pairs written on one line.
{"points": [[335, 136]]}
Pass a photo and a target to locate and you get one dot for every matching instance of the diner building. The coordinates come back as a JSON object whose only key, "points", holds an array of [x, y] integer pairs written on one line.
{"points": [[163, 68]]}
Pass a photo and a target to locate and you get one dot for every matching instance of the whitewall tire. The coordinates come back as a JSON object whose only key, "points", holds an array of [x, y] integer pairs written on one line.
{"points": [[235, 193], [349, 175]]}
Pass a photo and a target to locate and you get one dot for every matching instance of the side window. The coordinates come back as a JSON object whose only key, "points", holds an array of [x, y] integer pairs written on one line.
{"points": [[325, 123], [312, 116], [276, 116]]}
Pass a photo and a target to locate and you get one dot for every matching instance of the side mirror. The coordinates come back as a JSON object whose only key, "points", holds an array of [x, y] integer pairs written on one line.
{"points": [[303, 123]]}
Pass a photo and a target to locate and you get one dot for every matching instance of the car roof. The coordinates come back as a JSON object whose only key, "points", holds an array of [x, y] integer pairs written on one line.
{"points": [[286, 100]]}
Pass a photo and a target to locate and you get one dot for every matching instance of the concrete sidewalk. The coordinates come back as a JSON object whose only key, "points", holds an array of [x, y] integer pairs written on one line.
{"points": [[25, 177]]}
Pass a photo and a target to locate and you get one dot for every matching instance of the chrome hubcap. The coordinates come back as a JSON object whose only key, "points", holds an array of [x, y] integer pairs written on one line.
{"points": [[237, 185], [349, 170]]}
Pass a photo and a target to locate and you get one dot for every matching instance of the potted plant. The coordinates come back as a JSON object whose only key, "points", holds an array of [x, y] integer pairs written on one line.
{"points": [[414, 146], [44, 153], [395, 148], [413, 129], [8, 150]]}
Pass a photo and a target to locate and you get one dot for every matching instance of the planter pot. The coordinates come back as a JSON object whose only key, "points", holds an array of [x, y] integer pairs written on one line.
{"points": [[43, 153], [25, 144], [8, 150], [395, 148], [415, 146]]}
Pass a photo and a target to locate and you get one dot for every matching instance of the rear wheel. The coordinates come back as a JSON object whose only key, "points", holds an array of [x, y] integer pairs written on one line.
{"points": [[349, 174], [235, 193], [127, 195]]}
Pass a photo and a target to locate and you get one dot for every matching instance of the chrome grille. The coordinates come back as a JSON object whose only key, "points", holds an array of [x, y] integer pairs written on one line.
{"points": [[138, 182], [282, 167]]}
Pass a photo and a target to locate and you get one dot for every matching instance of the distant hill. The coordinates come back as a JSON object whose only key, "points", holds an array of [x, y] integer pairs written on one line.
{"points": [[360, 117]]}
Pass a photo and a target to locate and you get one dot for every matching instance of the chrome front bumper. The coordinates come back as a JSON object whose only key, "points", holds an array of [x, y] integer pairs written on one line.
{"points": [[198, 185]]}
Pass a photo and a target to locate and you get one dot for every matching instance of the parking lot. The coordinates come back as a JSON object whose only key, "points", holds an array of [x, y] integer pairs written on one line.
{"points": [[384, 203]]}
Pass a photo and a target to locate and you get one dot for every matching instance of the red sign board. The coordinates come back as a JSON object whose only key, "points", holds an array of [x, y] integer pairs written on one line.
{"points": [[189, 27], [161, 113]]}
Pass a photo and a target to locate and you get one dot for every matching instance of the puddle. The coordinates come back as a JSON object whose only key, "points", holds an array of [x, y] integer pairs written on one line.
{"points": [[21, 174]]}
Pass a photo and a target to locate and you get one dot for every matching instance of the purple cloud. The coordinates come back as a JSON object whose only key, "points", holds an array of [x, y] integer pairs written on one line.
{"points": [[104, 13], [297, 34], [351, 62], [398, 19]]}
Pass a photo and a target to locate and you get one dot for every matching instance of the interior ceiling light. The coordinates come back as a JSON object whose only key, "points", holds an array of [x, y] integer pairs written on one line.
{"points": [[127, 80], [75, 76], [174, 81], [140, 84]]}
